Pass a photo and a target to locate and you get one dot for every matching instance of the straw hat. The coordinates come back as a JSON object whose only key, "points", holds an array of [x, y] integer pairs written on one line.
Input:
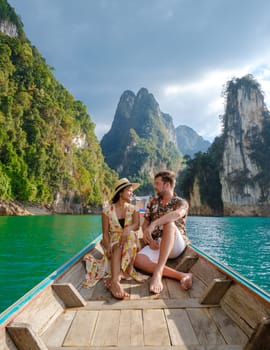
{"points": [[121, 184]]}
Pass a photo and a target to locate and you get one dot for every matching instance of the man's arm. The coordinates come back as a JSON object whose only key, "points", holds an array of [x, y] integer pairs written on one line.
{"points": [[173, 216], [147, 235]]}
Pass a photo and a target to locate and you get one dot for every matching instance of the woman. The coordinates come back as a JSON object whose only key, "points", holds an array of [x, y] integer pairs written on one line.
{"points": [[120, 221]]}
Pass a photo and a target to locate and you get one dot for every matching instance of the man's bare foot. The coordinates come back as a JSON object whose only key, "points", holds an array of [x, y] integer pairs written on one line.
{"points": [[186, 281], [117, 291], [156, 285]]}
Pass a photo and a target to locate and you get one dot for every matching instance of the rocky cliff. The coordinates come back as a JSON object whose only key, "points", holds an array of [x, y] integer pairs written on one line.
{"points": [[189, 142], [245, 190], [233, 176], [142, 139], [8, 28]]}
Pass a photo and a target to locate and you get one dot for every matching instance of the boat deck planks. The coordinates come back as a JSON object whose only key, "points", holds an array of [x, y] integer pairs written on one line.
{"points": [[173, 319], [180, 327]]}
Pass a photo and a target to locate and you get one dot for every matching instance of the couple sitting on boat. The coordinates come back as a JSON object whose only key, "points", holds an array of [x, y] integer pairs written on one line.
{"points": [[163, 233]]}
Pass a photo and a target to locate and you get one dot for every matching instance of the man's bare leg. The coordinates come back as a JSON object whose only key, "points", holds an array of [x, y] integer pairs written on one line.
{"points": [[144, 263], [166, 246]]}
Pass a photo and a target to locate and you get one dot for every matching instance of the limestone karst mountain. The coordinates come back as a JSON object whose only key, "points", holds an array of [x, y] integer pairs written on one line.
{"points": [[245, 171], [233, 177], [142, 139]]}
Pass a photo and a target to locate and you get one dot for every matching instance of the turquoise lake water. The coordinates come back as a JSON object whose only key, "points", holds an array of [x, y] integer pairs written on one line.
{"points": [[33, 247]]}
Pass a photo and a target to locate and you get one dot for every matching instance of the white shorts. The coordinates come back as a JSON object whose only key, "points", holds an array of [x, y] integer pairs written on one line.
{"points": [[178, 248]]}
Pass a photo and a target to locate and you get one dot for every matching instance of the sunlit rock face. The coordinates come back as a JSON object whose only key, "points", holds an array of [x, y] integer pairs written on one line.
{"points": [[244, 120], [8, 28]]}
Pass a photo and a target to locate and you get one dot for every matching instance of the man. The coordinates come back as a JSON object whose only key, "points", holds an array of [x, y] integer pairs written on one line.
{"points": [[164, 232]]}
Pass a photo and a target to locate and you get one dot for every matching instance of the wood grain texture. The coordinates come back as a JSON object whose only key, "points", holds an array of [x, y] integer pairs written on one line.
{"points": [[81, 329], [54, 336], [107, 328], [229, 330], [180, 328], [69, 294], [215, 291], [155, 328], [24, 337], [205, 327]]}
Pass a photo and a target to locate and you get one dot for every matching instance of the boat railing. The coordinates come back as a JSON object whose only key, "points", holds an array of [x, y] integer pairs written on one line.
{"points": [[234, 275], [19, 304]]}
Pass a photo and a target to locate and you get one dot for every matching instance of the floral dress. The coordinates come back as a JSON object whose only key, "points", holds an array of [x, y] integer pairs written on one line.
{"points": [[98, 269]]}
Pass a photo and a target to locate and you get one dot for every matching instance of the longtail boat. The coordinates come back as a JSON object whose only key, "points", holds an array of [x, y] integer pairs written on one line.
{"points": [[222, 311]]}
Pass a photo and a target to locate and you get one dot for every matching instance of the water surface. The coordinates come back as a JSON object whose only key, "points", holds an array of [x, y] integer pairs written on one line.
{"points": [[32, 247]]}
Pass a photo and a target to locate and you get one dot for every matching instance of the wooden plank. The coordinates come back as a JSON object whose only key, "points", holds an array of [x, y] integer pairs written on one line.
{"points": [[215, 291], [144, 304], [74, 276], [205, 327], [165, 292], [175, 263], [100, 292], [55, 335], [245, 309], [230, 331], [186, 263], [107, 328], [261, 338], [124, 334], [180, 328], [81, 329], [139, 290], [86, 293], [155, 328], [136, 328], [69, 294], [5, 341], [46, 307], [131, 328], [205, 271], [175, 290], [198, 288], [234, 315], [24, 337], [168, 347]]}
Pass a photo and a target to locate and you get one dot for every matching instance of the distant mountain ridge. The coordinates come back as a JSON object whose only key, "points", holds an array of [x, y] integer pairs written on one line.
{"points": [[189, 142], [142, 139]]}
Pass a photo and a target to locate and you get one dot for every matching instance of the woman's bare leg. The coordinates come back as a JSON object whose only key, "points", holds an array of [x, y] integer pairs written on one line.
{"points": [[114, 284]]}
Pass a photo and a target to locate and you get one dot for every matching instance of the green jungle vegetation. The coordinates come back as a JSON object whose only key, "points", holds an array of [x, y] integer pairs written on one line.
{"points": [[205, 167], [47, 140]]}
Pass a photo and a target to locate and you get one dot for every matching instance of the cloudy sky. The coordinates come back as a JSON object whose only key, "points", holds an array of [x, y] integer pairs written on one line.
{"points": [[183, 51]]}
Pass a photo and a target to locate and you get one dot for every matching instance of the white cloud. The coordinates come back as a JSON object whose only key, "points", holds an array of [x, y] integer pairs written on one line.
{"points": [[101, 129], [262, 74], [181, 51]]}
